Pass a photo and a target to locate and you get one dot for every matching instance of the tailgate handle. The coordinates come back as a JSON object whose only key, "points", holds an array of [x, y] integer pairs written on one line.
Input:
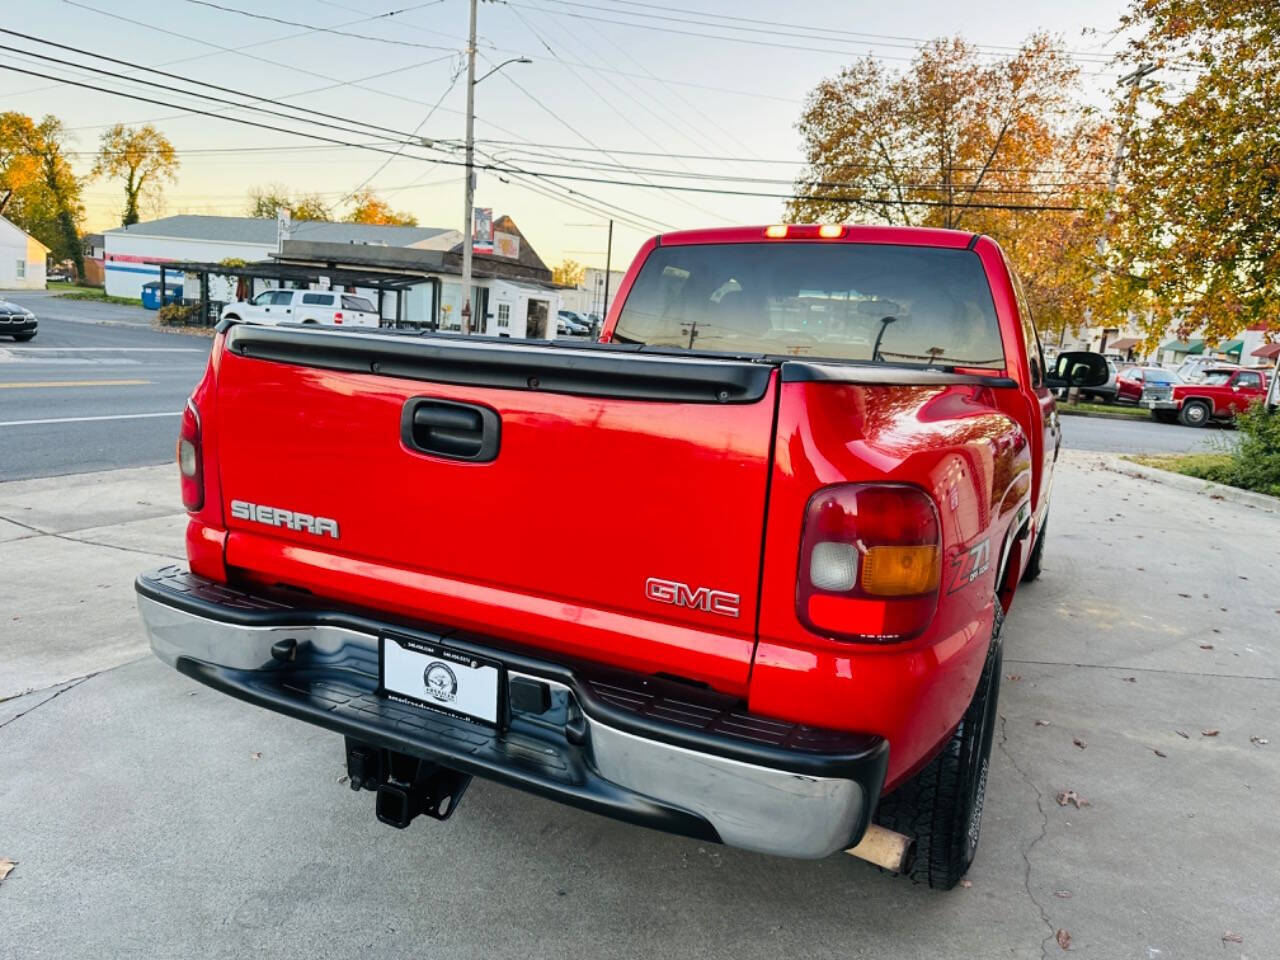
{"points": [[447, 428]]}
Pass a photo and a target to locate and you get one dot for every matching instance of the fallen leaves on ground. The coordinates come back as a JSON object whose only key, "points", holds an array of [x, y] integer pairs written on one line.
{"points": [[1015, 677], [1206, 646], [1183, 734], [966, 884], [1062, 894], [1079, 743], [1073, 798], [1209, 733], [1129, 679], [1260, 741], [6, 867], [1159, 753], [1232, 937], [255, 756], [1042, 723], [1064, 940]]}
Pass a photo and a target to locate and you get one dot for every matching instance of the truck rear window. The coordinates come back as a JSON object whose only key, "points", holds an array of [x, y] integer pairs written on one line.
{"points": [[847, 301]]}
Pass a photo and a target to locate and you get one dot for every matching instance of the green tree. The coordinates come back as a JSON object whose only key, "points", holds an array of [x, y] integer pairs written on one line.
{"points": [[570, 272], [40, 191], [140, 156], [19, 168], [268, 201], [1194, 226], [368, 207], [956, 141]]}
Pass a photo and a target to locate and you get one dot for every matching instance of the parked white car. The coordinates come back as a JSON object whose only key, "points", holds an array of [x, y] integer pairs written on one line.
{"points": [[329, 307]]}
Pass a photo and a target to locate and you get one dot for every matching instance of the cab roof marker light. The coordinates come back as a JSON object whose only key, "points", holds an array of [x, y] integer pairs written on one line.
{"points": [[776, 232], [831, 231]]}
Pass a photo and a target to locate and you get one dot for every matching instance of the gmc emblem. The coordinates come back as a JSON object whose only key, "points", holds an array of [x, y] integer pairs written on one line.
{"points": [[682, 595]]}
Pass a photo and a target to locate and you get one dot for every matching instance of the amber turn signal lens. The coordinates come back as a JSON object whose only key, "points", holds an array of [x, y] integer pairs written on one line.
{"points": [[776, 232], [894, 571], [829, 231]]}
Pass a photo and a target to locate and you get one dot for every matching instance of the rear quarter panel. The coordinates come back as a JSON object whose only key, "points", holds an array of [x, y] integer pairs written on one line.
{"points": [[975, 461]]}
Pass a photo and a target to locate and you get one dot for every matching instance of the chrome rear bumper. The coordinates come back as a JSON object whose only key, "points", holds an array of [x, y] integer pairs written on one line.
{"points": [[637, 748]]}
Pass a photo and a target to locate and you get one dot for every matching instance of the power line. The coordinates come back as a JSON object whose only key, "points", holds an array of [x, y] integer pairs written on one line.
{"points": [[179, 77], [331, 30], [575, 131]]}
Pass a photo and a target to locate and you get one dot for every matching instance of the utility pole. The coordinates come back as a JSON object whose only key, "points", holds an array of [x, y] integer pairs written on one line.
{"points": [[470, 191], [608, 262]]}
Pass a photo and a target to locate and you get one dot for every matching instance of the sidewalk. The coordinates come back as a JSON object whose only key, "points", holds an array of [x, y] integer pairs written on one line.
{"points": [[71, 547]]}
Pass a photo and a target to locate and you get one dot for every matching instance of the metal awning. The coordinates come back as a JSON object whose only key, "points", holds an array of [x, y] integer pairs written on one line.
{"points": [[1184, 346], [270, 270], [1229, 346], [1269, 351], [1124, 343]]}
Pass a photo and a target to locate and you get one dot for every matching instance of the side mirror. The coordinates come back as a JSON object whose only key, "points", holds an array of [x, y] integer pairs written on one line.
{"points": [[1078, 369]]}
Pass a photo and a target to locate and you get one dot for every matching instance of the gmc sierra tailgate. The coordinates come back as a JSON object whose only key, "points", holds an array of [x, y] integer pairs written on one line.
{"points": [[605, 504]]}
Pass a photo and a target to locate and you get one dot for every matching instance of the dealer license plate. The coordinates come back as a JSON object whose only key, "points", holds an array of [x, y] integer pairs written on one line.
{"points": [[440, 678]]}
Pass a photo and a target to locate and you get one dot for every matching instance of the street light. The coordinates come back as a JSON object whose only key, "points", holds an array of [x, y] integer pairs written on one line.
{"points": [[470, 191]]}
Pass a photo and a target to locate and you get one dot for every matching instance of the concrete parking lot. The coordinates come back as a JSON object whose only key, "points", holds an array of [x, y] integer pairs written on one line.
{"points": [[153, 817]]}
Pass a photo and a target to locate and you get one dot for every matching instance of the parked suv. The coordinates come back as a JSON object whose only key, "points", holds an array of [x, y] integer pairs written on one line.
{"points": [[824, 457], [329, 307]]}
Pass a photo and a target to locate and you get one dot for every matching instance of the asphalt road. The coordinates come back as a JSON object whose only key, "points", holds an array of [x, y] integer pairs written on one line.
{"points": [[1142, 436], [96, 389], [153, 817]]}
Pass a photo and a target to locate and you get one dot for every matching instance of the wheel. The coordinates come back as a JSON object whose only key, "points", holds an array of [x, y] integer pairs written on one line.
{"points": [[1195, 413], [1032, 572], [23, 337], [941, 806]]}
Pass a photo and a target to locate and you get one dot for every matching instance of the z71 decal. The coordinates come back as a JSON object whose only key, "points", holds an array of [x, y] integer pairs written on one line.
{"points": [[970, 565]]}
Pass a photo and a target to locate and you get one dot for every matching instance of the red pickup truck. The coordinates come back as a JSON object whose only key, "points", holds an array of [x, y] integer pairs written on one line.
{"points": [[819, 462], [1219, 394]]}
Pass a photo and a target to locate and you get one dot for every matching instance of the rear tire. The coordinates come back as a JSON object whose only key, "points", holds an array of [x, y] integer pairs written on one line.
{"points": [[1195, 413], [941, 806], [1032, 572]]}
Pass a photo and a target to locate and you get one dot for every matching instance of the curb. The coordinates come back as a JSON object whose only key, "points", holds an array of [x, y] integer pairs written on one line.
{"points": [[1217, 491], [1066, 411]]}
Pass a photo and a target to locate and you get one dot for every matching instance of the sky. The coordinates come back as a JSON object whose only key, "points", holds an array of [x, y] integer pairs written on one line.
{"points": [[646, 85]]}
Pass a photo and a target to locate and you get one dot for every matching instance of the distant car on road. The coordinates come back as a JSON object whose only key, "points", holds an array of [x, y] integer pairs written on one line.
{"points": [[57, 276], [1131, 381], [326, 307], [17, 322], [1220, 394]]}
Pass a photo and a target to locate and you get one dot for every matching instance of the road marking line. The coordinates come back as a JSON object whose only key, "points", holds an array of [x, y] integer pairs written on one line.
{"points": [[102, 350], [24, 385], [115, 416]]}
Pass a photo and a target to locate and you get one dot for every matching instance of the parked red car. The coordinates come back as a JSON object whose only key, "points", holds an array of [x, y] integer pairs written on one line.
{"points": [[1131, 381], [1219, 395], [820, 460]]}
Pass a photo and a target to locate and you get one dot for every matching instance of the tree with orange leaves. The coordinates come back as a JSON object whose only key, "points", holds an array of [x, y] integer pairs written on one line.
{"points": [[1002, 148]]}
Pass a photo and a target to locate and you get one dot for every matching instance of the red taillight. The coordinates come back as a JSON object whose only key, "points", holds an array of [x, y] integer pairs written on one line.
{"points": [[190, 459], [870, 562], [337, 317]]}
